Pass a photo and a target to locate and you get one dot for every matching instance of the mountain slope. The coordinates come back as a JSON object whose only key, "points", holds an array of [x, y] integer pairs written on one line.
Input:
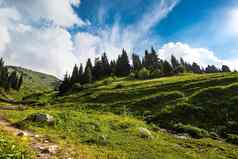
{"points": [[124, 118], [34, 82]]}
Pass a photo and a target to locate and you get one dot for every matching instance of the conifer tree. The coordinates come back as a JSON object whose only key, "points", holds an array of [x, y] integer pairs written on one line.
{"points": [[75, 74], [123, 67], [175, 63], [137, 65], [88, 77], [80, 74], [98, 69], [20, 82], [106, 65], [225, 68], [167, 68]]}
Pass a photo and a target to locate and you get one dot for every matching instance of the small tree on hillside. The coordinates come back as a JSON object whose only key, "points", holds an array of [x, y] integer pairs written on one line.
{"points": [[167, 68], [137, 65], [225, 68], [123, 67]]}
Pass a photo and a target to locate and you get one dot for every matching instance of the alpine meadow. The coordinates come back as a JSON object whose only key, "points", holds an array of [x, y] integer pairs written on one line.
{"points": [[101, 79]]}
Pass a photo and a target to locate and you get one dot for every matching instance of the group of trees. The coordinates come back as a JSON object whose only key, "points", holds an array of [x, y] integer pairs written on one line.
{"points": [[9, 80], [150, 66]]}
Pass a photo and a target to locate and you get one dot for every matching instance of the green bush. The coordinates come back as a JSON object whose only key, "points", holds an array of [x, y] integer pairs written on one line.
{"points": [[233, 139], [132, 75], [143, 74], [155, 74], [194, 132]]}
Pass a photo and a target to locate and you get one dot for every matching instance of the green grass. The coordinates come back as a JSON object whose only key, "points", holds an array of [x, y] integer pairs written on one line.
{"points": [[13, 148], [103, 120], [106, 135]]}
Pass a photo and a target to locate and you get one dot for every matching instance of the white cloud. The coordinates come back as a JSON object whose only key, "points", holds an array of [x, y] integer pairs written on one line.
{"points": [[59, 12], [201, 56], [112, 40]]}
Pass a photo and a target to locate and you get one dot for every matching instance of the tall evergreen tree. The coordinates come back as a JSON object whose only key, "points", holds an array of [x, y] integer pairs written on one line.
{"points": [[175, 63], [98, 69], [13, 81], [80, 74], [151, 60], [167, 68], [88, 77], [20, 82], [113, 66], [225, 68], [75, 74], [65, 85], [123, 67], [137, 65], [106, 65]]}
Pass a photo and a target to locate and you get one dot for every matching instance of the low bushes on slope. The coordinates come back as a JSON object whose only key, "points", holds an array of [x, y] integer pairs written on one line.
{"points": [[214, 109]]}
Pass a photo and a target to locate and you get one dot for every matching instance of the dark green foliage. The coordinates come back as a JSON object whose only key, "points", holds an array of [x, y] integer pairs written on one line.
{"points": [[233, 139], [65, 85], [123, 67], [196, 68], [75, 75], [211, 69], [151, 60], [88, 77], [9, 80], [167, 69], [225, 68], [175, 63], [137, 65], [98, 69], [106, 66], [191, 130], [143, 74]]}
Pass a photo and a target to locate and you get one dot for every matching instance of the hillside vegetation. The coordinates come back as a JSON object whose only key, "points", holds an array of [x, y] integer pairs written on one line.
{"points": [[187, 116]]}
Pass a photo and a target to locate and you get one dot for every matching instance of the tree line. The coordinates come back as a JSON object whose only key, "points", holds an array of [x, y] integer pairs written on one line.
{"points": [[149, 66], [9, 80]]}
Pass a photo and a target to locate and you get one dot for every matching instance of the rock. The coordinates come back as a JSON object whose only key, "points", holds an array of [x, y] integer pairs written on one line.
{"points": [[145, 133], [41, 118], [49, 149]]}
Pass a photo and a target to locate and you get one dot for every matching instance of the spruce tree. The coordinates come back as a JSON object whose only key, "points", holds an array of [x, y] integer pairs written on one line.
{"points": [[75, 75], [20, 82], [225, 68], [137, 65], [123, 67], [88, 77], [175, 63], [98, 69], [80, 73], [106, 65], [167, 68]]}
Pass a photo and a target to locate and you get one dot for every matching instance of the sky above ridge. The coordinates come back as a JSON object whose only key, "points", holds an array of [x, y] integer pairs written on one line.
{"points": [[52, 35]]}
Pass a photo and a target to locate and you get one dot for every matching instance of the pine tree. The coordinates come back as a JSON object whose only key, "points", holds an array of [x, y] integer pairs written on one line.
{"points": [[20, 82], [196, 68], [98, 69], [137, 65], [151, 60], [106, 65], [75, 75], [123, 67], [66, 84], [12, 80], [88, 77], [175, 63], [80, 73], [167, 68], [225, 68]]}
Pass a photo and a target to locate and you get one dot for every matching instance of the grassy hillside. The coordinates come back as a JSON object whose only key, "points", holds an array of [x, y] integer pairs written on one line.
{"points": [[34, 82], [124, 118]]}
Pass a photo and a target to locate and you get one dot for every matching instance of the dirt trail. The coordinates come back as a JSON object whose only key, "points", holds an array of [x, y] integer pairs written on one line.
{"points": [[45, 149]]}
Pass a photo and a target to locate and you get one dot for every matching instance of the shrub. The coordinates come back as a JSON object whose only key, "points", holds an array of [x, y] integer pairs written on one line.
{"points": [[132, 75], [194, 132], [143, 74], [233, 139], [155, 74]]}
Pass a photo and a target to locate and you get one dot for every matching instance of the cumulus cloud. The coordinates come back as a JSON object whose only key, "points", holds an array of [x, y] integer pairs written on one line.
{"points": [[58, 12], [201, 56], [112, 40]]}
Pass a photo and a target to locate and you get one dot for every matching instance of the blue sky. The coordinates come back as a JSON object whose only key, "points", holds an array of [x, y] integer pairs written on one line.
{"points": [[52, 35]]}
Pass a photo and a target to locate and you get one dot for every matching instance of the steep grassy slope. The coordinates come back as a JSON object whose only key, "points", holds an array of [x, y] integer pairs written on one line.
{"points": [[34, 82], [104, 120]]}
